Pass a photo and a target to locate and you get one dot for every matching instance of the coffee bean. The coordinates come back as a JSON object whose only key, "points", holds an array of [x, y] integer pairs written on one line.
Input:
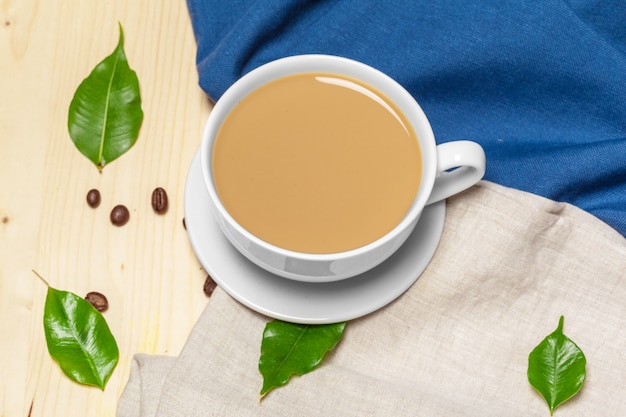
{"points": [[184, 224], [119, 215], [97, 300], [93, 198], [159, 200], [209, 285]]}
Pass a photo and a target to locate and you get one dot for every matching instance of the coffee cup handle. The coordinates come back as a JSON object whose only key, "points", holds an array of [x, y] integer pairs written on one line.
{"points": [[460, 164]]}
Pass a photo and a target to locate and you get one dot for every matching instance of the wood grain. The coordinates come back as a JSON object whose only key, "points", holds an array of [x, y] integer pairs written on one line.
{"points": [[146, 268]]}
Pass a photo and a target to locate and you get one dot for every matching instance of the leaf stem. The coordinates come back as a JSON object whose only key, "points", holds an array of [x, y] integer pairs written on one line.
{"points": [[41, 278]]}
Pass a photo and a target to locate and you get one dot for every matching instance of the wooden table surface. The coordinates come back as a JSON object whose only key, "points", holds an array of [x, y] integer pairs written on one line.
{"points": [[146, 268]]}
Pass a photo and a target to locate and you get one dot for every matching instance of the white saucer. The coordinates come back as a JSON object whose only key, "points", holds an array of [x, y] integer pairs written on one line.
{"points": [[302, 302]]}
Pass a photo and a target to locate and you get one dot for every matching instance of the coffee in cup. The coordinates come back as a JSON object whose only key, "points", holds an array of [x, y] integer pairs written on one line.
{"points": [[316, 163]]}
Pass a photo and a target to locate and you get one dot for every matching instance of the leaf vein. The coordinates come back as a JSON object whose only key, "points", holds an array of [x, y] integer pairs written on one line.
{"points": [[106, 110], [293, 347]]}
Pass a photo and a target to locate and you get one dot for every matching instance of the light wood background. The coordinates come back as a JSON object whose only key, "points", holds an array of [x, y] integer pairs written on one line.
{"points": [[146, 268]]}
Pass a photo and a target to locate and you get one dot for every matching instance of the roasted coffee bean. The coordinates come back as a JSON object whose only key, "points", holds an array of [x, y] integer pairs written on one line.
{"points": [[93, 198], [209, 285], [97, 300], [184, 224], [159, 200], [119, 215]]}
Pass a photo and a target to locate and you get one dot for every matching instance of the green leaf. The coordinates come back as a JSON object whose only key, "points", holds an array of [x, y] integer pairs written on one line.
{"points": [[556, 368], [291, 349], [79, 338], [105, 113]]}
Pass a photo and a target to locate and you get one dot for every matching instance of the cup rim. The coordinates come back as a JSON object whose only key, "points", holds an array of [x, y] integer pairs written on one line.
{"points": [[297, 64]]}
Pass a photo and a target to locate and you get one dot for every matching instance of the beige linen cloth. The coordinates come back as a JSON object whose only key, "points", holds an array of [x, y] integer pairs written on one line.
{"points": [[509, 264]]}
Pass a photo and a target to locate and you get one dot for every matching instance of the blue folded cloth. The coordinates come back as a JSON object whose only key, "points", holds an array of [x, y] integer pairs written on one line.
{"points": [[540, 85]]}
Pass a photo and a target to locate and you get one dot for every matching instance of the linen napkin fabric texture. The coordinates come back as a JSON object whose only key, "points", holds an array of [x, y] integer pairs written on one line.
{"points": [[508, 265], [540, 85]]}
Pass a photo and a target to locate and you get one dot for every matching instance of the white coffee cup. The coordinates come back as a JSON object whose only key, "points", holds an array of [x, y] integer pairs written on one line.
{"points": [[447, 169]]}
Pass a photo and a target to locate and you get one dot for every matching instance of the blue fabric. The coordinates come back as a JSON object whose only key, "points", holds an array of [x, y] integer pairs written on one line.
{"points": [[541, 85]]}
